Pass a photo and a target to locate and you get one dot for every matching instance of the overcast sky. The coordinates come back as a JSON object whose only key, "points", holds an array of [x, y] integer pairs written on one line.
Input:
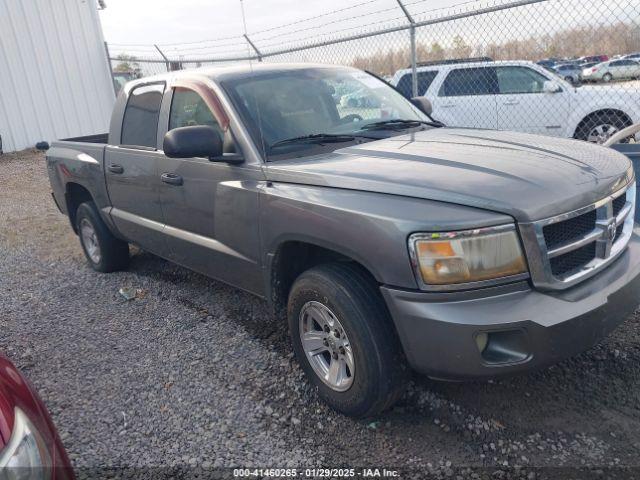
{"points": [[133, 26], [164, 22]]}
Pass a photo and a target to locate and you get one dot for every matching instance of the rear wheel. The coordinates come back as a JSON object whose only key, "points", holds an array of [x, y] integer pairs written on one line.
{"points": [[344, 340], [104, 252]]}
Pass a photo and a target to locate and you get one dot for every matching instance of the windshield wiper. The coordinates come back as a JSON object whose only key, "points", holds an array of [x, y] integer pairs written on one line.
{"points": [[399, 124], [315, 138]]}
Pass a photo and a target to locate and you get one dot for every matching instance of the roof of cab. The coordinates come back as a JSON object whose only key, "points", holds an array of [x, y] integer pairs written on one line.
{"points": [[227, 72]]}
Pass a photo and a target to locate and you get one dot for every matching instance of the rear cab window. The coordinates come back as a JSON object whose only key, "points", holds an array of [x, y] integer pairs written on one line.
{"points": [[140, 121], [470, 81]]}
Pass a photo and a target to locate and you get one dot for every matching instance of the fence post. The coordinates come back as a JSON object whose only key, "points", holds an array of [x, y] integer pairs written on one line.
{"points": [[166, 60], [255, 49], [106, 50], [414, 53]]}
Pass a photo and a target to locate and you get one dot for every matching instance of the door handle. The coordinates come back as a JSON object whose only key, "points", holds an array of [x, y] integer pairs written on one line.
{"points": [[113, 168], [172, 179], [448, 105], [511, 102]]}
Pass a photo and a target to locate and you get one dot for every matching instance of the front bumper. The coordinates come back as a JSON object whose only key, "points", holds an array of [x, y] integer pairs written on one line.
{"points": [[529, 328]]}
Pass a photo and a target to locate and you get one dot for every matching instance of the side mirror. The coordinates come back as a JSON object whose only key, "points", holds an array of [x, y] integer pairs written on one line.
{"points": [[423, 104], [551, 87], [194, 141]]}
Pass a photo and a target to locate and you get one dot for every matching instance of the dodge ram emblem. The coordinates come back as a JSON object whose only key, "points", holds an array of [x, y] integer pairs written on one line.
{"points": [[611, 231]]}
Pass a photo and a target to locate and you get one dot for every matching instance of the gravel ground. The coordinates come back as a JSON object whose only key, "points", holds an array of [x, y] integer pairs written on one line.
{"points": [[193, 372]]}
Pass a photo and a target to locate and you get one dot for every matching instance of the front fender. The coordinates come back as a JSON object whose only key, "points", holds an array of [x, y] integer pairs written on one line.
{"points": [[371, 228], [609, 101]]}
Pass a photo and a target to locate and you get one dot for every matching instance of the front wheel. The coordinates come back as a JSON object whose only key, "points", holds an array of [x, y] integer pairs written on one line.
{"points": [[599, 127], [607, 77], [344, 340], [104, 252]]}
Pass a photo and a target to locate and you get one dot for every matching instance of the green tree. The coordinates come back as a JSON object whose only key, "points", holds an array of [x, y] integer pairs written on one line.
{"points": [[126, 63]]}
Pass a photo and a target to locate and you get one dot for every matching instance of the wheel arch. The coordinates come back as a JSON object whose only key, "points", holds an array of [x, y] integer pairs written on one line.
{"points": [[602, 111], [292, 257], [75, 195]]}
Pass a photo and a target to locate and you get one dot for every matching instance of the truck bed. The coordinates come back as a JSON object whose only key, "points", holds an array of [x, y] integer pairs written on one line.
{"points": [[97, 138]]}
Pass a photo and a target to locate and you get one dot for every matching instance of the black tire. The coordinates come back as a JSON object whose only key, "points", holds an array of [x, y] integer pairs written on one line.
{"points": [[600, 119], [607, 77], [113, 252], [380, 369]]}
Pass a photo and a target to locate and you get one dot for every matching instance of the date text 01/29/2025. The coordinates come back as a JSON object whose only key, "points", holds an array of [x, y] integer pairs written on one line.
{"points": [[315, 473]]}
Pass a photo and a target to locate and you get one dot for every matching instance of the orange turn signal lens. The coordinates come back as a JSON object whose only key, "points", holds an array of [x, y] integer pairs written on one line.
{"points": [[468, 256]]}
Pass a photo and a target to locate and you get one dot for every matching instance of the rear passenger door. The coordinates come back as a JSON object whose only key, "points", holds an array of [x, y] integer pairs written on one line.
{"points": [[467, 98], [131, 170]]}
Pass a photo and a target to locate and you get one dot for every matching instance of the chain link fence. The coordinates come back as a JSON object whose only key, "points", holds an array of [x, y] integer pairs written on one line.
{"points": [[567, 68]]}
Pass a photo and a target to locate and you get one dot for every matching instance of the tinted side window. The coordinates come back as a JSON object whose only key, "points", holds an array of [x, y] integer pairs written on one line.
{"points": [[520, 80], [140, 123], [470, 81], [424, 82], [618, 63], [188, 108]]}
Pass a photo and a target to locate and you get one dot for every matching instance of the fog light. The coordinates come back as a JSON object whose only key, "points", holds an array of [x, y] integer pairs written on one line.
{"points": [[481, 341], [503, 347]]}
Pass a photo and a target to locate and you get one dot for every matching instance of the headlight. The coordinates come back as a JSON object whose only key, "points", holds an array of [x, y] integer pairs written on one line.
{"points": [[25, 457], [450, 258]]}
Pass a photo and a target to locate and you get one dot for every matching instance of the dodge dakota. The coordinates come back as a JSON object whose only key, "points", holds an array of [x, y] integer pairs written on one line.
{"points": [[386, 239]]}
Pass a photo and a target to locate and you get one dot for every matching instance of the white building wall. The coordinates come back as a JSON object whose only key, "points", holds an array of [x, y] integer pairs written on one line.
{"points": [[55, 81]]}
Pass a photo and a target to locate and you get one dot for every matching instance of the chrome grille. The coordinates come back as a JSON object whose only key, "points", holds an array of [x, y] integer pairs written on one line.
{"points": [[562, 232], [567, 263], [571, 247]]}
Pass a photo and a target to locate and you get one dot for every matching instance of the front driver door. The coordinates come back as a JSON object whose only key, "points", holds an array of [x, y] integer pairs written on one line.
{"points": [[524, 106], [210, 209]]}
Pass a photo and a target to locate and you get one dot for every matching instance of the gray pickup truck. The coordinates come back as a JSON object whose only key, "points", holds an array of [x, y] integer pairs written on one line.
{"points": [[388, 239]]}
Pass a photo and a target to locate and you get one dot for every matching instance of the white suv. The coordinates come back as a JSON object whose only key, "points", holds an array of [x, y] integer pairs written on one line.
{"points": [[521, 96]]}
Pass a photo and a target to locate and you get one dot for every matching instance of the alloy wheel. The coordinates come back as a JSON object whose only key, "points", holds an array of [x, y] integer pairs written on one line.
{"points": [[90, 240], [601, 133], [326, 346]]}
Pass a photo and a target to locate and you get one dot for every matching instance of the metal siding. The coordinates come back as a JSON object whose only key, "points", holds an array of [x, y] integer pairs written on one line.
{"points": [[55, 81]]}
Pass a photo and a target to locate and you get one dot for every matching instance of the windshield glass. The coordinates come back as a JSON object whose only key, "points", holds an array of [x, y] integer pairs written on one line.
{"points": [[294, 104]]}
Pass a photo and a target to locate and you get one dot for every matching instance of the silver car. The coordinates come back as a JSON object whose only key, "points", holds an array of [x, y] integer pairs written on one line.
{"points": [[612, 70], [571, 72]]}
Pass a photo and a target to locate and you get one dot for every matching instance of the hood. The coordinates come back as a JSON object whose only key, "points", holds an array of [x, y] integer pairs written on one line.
{"points": [[612, 90], [529, 177]]}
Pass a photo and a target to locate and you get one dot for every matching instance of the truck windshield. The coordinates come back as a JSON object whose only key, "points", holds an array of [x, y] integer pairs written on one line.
{"points": [[292, 112]]}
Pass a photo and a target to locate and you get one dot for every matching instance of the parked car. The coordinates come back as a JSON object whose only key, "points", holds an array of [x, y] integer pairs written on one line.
{"points": [[121, 78], [571, 72], [632, 56], [29, 443], [378, 234], [588, 65], [523, 96], [614, 70], [548, 63], [593, 58]]}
